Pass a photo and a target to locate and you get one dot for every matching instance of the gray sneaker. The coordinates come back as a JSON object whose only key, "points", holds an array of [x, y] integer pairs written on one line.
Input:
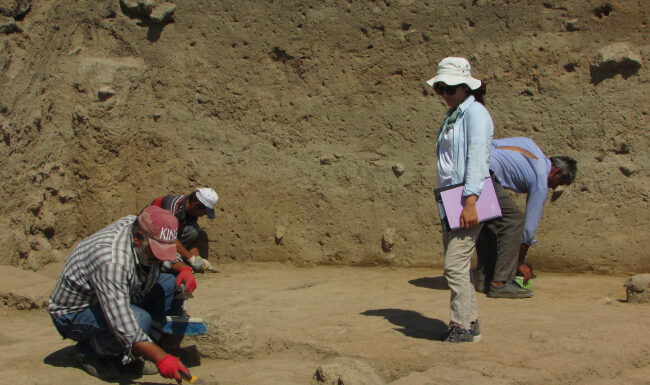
{"points": [[475, 329], [99, 367], [458, 334], [509, 290]]}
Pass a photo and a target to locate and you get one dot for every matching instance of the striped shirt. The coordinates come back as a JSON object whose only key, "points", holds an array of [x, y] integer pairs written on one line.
{"points": [[103, 269], [176, 204]]}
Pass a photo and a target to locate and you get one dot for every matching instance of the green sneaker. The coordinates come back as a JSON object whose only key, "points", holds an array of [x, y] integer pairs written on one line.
{"points": [[519, 280]]}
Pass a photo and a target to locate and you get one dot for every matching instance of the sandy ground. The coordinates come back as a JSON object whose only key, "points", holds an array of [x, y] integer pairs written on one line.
{"points": [[576, 330]]}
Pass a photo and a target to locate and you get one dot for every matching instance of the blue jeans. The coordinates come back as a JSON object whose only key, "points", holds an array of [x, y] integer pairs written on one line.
{"points": [[89, 328]]}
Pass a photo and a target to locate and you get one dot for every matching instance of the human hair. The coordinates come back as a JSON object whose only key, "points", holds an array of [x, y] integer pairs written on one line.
{"points": [[136, 227], [478, 93], [192, 197], [568, 167]]}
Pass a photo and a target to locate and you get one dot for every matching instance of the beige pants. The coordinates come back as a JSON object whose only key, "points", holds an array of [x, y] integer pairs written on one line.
{"points": [[459, 248]]}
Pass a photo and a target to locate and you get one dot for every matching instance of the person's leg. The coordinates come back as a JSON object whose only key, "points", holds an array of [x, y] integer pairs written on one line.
{"points": [[203, 244], [508, 230], [486, 251], [459, 247], [90, 329], [188, 236], [159, 302]]}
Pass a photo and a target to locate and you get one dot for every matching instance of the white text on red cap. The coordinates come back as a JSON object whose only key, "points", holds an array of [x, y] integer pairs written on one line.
{"points": [[167, 234]]}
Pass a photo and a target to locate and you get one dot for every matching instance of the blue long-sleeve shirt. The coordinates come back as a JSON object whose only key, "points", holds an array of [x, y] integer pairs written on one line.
{"points": [[472, 134], [522, 174]]}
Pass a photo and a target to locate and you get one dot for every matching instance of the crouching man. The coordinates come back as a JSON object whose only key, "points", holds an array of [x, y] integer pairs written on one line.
{"points": [[188, 209], [112, 297]]}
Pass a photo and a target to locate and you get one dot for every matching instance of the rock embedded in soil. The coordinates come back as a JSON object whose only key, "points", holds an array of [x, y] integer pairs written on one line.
{"points": [[398, 169], [346, 371], [163, 13], [15, 8], [388, 240], [637, 288]]}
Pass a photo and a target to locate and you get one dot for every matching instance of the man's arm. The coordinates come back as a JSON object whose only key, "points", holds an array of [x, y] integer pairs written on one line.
{"points": [[522, 268], [149, 351], [534, 206], [185, 253]]}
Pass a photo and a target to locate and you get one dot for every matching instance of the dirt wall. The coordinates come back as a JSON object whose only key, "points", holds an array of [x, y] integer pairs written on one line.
{"points": [[313, 122]]}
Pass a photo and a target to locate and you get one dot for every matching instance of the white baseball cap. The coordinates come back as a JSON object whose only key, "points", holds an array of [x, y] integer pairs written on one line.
{"points": [[453, 71], [208, 197]]}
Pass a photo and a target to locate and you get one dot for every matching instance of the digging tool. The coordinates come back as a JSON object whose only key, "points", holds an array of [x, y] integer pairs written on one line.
{"points": [[183, 324], [192, 379]]}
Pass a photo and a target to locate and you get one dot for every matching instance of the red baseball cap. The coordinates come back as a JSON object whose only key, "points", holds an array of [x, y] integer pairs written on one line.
{"points": [[161, 226]]}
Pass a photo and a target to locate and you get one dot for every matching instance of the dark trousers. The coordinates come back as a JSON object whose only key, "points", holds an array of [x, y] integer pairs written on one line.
{"points": [[498, 243], [189, 234]]}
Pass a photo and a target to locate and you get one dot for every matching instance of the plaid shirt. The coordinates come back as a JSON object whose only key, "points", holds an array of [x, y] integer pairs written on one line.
{"points": [[103, 269]]}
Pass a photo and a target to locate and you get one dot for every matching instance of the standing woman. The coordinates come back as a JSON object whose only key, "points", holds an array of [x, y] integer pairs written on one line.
{"points": [[463, 150]]}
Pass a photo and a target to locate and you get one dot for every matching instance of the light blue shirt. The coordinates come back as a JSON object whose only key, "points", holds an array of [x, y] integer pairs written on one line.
{"points": [[521, 174], [470, 150]]}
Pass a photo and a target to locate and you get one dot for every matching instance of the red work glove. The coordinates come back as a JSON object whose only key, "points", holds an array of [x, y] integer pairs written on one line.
{"points": [[185, 276], [170, 366]]}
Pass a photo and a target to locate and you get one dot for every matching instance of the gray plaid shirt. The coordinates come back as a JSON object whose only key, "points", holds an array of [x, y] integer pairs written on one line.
{"points": [[103, 269]]}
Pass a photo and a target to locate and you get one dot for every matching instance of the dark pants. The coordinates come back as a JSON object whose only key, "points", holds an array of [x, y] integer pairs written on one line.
{"points": [[498, 243], [90, 329], [192, 236], [189, 234]]}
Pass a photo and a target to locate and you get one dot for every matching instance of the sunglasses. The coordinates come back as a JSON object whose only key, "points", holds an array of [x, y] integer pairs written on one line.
{"points": [[449, 90]]}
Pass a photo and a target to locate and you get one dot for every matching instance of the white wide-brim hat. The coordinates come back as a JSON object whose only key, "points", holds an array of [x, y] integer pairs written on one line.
{"points": [[453, 71]]}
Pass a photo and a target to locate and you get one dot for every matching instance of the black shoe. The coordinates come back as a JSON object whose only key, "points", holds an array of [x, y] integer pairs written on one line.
{"points": [[458, 334], [100, 367], [476, 330], [508, 290]]}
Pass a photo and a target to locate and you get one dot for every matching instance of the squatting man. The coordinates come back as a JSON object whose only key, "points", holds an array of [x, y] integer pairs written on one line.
{"points": [[114, 292]]}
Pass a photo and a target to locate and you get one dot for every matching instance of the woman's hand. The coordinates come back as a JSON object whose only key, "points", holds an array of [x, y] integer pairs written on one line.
{"points": [[469, 216]]}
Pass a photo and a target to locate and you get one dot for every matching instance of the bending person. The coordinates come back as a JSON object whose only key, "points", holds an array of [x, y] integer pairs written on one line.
{"points": [[517, 164]]}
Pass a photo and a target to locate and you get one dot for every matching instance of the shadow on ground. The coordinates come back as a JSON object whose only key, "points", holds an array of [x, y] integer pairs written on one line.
{"points": [[65, 357], [437, 283], [412, 323]]}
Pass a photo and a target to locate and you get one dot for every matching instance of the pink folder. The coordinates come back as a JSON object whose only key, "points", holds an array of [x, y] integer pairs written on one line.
{"points": [[450, 204]]}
